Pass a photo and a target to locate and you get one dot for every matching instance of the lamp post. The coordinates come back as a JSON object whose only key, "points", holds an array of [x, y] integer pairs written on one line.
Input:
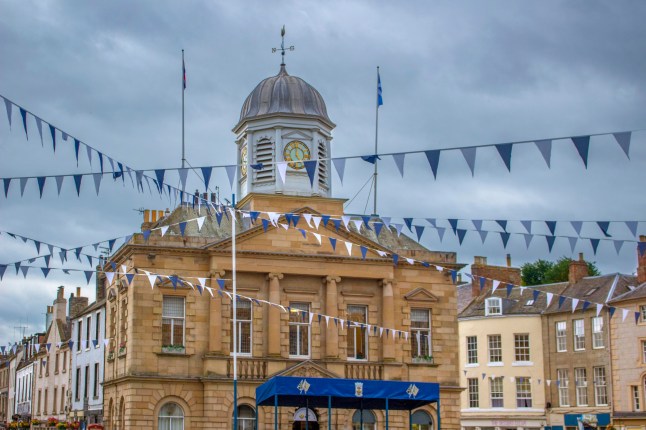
{"points": [[235, 313]]}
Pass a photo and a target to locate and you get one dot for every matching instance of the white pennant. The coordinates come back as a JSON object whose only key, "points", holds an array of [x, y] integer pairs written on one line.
{"points": [[575, 302], [348, 246], [410, 260], [381, 253], [406, 336], [522, 290], [346, 221], [549, 382], [124, 269], [357, 223], [308, 219], [282, 171], [209, 290], [164, 229], [625, 314], [381, 331], [311, 317], [151, 279], [495, 285], [202, 282], [285, 226], [200, 222], [549, 298], [317, 221], [109, 276], [341, 320], [273, 217], [327, 321], [599, 307], [318, 237]]}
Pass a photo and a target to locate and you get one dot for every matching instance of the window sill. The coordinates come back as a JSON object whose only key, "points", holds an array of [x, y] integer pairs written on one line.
{"points": [[173, 350], [173, 354], [496, 364], [472, 365], [522, 363]]}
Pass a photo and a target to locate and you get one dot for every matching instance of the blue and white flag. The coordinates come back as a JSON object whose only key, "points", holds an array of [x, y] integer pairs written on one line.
{"points": [[380, 99]]}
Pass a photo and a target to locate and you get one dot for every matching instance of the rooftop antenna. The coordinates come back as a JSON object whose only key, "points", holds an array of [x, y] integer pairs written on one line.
{"points": [[282, 48], [140, 210]]}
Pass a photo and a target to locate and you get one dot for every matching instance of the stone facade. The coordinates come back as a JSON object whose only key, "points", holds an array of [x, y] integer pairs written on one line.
{"points": [[280, 266]]}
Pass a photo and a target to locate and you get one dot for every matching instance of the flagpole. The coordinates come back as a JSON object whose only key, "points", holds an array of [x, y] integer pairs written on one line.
{"points": [[374, 209], [235, 313], [183, 89]]}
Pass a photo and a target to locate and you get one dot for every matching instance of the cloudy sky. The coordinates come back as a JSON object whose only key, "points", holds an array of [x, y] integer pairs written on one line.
{"points": [[454, 74]]}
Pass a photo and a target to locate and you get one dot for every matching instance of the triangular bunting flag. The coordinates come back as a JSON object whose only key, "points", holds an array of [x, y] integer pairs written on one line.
{"points": [[504, 149], [310, 168], [433, 158], [623, 139], [582, 145], [545, 147], [231, 173], [339, 166], [399, 161]]}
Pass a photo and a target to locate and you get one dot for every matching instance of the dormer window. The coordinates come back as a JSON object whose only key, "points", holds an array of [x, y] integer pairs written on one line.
{"points": [[493, 306]]}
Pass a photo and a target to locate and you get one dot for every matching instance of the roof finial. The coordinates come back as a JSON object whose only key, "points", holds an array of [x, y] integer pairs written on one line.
{"points": [[282, 46]]}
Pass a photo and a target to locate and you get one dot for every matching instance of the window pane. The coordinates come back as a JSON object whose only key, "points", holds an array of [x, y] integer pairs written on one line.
{"points": [[173, 306], [495, 348], [497, 400], [521, 347], [472, 349], [523, 392]]}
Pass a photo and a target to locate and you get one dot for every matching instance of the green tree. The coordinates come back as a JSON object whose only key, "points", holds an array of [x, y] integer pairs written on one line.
{"points": [[547, 272]]}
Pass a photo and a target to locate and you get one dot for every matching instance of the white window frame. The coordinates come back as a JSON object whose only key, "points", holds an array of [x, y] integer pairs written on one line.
{"points": [[643, 343], [493, 306], [597, 332], [523, 392], [472, 350], [561, 336], [242, 322], [358, 330], [634, 394], [421, 334], [581, 382], [88, 332], [563, 382], [300, 322], [473, 394], [600, 386], [494, 340], [496, 392], [173, 420], [642, 311], [174, 318], [578, 334], [522, 352]]}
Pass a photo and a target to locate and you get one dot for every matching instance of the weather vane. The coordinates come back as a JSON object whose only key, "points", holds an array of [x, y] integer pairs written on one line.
{"points": [[282, 46]]}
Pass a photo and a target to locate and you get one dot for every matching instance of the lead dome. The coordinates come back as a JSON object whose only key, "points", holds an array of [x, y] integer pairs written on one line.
{"points": [[282, 95]]}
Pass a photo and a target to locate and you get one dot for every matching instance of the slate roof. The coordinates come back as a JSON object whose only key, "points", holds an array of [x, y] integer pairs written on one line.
{"points": [[638, 293]]}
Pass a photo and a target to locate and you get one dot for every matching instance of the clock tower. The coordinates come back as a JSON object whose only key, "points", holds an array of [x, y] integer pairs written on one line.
{"points": [[283, 124]]}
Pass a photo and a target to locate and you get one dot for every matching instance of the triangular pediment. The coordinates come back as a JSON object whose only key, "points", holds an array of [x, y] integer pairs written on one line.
{"points": [[297, 134], [307, 369], [280, 238], [421, 295]]}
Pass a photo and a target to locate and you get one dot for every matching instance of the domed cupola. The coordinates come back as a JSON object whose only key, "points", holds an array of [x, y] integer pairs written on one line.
{"points": [[283, 123], [284, 95]]}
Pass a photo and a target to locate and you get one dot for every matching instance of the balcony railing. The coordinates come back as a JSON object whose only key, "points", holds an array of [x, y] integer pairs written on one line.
{"points": [[248, 368], [364, 371]]}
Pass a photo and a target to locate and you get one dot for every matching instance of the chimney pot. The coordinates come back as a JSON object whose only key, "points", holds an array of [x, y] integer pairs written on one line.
{"points": [[482, 261], [508, 260], [577, 270], [146, 215], [78, 291], [581, 256], [154, 216]]}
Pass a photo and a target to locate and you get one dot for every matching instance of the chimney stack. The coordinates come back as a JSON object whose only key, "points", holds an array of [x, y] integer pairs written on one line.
{"points": [[641, 260], [77, 303], [480, 268], [578, 270]]}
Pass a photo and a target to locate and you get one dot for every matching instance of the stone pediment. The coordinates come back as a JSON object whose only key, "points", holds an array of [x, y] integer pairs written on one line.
{"points": [[272, 240], [297, 134], [421, 295], [307, 369]]}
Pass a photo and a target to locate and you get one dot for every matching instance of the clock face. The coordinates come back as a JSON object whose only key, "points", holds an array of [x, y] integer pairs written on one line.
{"points": [[296, 152], [243, 161]]}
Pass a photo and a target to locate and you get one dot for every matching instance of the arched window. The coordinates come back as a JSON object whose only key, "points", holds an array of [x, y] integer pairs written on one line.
{"points": [[422, 421], [246, 418], [171, 417], [369, 420]]}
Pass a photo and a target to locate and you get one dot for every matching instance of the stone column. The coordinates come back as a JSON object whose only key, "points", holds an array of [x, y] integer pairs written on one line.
{"points": [[215, 315], [273, 321], [388, 318], [331, 309]]}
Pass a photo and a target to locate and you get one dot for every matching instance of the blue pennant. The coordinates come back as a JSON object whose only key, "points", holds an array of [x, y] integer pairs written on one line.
{"points": [[288, 218], [637, 314], [254, 216], [378, 226], [582, 144], [364, 250], [182, 227], [6, 182], [295, 219], [454, 275], [505, 238], [509, 288], [535, 294], [174, 280], [77, 145], [409, 223], [482, 280], [45, 271], [221, 283], [130, 277], [365, 219], [265, 224], [88, 275], [159, 173], [78, 250], [257, 166], [333, 243], [550, 242], [603, 225], [77, 182], [502, 223], [23, 113], [641, 247], [326, 219], [504, 149], [395, 259], [206, 173], [100, 160], [611, 311], [426, 264], [41, 184], [595, 245], [146, 234], [461, 234], [310, 167], [454, 224], [337, 224], [561, 301], [47, 257], [551, 225], [218, 217], [303, 233], [586, 305], [419, 229], [111, 244], [433, 158], [52, 130]]}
